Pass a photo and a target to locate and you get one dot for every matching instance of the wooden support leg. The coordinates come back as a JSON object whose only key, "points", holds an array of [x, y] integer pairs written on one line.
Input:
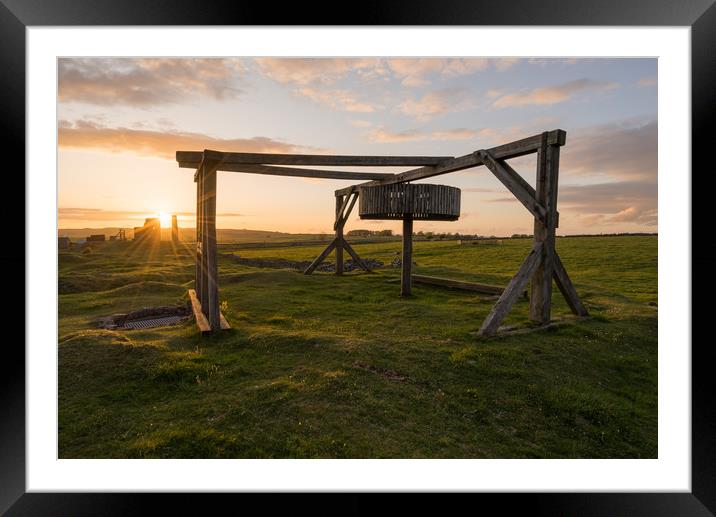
{"points": [[355, 257], [199, 236], [340, 200], [512, 291], [564, 284], [407, 261], [212, 304], [320, 258], [544, 232], [203, 294]]}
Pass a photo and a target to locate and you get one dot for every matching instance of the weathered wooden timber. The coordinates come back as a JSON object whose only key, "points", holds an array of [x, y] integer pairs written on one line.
{"points": [[195, 157], [391, 196], [272, 170], [461, 285], [419, 201], [501, 152]]}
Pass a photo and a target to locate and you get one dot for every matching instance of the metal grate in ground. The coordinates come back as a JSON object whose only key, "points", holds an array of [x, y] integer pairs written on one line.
{"points": [[156, 322]]}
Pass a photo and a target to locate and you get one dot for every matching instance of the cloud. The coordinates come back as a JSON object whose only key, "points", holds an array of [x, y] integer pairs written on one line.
{"points": [[646, 81], [625, 149], [164, 144], [552, 94], [435, 103], [305, 71], [342, 100], [412, 135], [613, 202], [412, 72], [606, 203], [415, 71], [148, 81], [361, 123]]}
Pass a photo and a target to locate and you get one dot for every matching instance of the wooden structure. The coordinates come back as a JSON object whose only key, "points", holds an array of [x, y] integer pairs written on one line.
{"points": [[539, 268], [420, 201], [408, 201]]}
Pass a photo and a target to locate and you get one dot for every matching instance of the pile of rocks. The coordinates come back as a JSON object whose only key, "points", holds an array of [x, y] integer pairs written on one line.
{"points": [[349, 265], [398, 263], [327, 267]]}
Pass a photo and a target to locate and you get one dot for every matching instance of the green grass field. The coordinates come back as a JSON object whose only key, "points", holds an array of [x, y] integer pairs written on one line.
{"points": [[342, 367]]}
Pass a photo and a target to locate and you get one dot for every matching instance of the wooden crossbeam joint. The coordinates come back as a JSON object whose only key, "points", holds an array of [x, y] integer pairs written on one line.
{"points": [[522, 190]]}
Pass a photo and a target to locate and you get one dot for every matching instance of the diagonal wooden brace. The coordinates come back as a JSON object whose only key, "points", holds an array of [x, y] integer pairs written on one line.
{"points": [[515, 183], [512, 292], [356, 258], [566, 287], [345, 210], [320, 258]]}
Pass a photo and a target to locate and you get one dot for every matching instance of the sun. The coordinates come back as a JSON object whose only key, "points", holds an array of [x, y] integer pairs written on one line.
{"points": [[165, 219]]}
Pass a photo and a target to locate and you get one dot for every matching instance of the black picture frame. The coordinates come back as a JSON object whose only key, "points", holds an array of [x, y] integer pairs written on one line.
{"points": [[700, 15]]}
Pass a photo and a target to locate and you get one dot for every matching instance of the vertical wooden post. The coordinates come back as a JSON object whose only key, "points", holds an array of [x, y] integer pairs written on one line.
{"points": [[407, 261], [546, 194], [199, 259], [212, 291], [339, 235]]}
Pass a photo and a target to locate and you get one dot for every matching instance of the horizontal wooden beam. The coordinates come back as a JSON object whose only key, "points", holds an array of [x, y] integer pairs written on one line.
{"points": [[195, 157], [271, 170], [501, 152]]}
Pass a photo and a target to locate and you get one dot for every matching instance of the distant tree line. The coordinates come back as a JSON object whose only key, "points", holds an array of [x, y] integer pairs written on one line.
{"points": [[448, 236], [370, 233]]}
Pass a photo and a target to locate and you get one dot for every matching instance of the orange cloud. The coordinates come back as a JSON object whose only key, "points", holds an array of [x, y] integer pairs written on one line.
{"points": [[343, 100], [436, 103], [304, 71], [414, 72], [383, 136], [147, 81], [89, 135], [552, 94], [410, 71], [646, 81]]}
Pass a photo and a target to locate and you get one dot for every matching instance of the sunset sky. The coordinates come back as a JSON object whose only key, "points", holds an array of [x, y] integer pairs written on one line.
{"points": [[120, 122]]}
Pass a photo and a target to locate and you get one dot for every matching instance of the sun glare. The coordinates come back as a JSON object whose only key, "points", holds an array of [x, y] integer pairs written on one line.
{"points": [[165, 219]]}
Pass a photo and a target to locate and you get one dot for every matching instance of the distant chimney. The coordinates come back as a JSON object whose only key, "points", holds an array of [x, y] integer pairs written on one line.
{"points": [[175, 230]]}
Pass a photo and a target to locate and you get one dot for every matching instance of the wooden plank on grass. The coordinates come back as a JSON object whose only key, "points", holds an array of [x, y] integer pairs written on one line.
{"points": [[201, 320], [459, 284]]}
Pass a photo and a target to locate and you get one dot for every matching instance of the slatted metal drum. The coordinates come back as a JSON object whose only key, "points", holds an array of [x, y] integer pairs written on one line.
{"points": [[419, 201]]}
